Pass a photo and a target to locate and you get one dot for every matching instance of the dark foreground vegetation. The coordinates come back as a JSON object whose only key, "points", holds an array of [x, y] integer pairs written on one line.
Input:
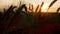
{"points": [[25, 22]]}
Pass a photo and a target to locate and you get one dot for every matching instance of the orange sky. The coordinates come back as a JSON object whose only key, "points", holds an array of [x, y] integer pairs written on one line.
{"points": [[6, 3]]}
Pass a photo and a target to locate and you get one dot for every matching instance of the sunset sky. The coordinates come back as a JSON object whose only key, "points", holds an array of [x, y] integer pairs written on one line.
{"points": [[7, 3]]}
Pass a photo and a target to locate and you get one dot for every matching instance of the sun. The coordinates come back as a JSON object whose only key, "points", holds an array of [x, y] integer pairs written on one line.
{"points": [[44, 7]]}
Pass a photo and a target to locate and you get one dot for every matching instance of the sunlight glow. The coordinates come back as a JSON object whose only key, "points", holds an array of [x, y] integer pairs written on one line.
{"points": [[44, 8]]}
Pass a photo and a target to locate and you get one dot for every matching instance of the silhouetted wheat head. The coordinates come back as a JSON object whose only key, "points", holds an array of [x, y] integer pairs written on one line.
{"points": [[52, 3], [58, 9], [30, 7], [41, 6], [37, 8]]}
